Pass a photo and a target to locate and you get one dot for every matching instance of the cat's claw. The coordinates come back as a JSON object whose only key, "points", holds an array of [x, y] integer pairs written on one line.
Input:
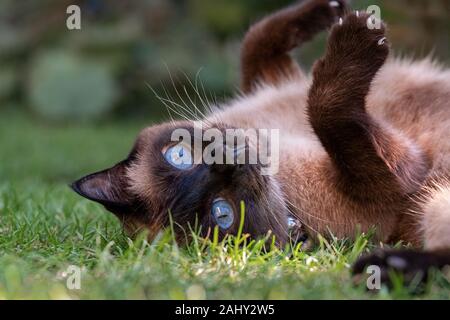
{"points": [[335, 4], [338, 7], [381, 41]]}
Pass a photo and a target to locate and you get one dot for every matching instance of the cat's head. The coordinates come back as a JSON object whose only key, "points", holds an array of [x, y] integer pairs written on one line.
{"points": [[152, 186]]}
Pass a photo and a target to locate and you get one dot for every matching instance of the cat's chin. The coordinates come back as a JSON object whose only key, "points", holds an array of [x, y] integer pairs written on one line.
{"points": [[298, 234]]}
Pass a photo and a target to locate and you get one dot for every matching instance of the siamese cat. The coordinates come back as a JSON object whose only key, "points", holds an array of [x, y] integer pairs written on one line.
{"points": [[364, 143]]}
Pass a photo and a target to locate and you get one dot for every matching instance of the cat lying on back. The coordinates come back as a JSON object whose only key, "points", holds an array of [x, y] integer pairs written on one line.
{"points": [[364, 143]]}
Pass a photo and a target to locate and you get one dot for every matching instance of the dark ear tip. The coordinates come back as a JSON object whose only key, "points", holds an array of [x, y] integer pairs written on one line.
{"points": [[105, 187], [75, 186], [72, 185]]}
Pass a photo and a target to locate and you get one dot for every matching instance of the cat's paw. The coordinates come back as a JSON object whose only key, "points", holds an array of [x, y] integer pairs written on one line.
{"points": [[358, 42], [326, 12], [411, 266], [307, 18]]}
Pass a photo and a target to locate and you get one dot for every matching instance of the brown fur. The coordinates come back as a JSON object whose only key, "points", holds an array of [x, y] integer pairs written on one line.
{"points": [[264, 55]]}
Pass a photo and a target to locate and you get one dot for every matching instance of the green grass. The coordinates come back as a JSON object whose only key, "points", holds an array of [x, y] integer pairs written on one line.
{"points": [[45, 227]]}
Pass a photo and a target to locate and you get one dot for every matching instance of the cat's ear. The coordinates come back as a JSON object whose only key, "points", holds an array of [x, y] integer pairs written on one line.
{"points": [[107, 187]]}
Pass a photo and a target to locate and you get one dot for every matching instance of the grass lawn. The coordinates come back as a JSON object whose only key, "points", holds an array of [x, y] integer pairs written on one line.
{"points": [[45, 227]]}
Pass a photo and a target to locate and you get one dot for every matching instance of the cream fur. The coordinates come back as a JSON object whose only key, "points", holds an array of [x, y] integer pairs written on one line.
{"points": [[436, 218]]}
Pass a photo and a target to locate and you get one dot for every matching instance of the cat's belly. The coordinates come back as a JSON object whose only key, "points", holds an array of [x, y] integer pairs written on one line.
{"points": [[415, 99], [313, 197]]}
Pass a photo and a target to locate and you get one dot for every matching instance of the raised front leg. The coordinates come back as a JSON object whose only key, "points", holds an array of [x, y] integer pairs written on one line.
{"points": [[264, 54], [369, 160]]}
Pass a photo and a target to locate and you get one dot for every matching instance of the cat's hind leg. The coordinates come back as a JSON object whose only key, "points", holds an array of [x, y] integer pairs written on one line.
{"points": [[415, 265], [265, 49]]}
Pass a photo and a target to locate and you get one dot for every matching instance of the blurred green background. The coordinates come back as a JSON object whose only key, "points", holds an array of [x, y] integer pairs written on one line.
{"points": [[71, 100]]}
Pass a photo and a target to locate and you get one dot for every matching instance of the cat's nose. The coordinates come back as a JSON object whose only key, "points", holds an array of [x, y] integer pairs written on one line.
{"points": [[223, 169], [236, 155], [231, 161]]}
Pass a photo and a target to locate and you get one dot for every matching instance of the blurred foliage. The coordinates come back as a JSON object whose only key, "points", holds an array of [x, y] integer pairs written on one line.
{"points": [[61, 86], [125, 47]]}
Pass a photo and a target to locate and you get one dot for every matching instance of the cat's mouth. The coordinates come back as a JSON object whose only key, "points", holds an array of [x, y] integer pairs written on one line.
{"points": [[298, 234]]}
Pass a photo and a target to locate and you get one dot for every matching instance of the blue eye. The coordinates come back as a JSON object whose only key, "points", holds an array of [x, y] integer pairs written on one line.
{"points": [[179, 156], [222, 213]]}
